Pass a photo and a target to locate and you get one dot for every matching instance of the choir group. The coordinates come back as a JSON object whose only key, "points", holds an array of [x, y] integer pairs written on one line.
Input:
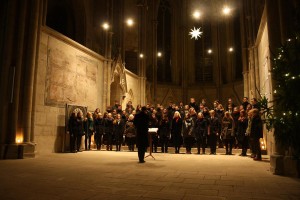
{"points": [[192, 125]]}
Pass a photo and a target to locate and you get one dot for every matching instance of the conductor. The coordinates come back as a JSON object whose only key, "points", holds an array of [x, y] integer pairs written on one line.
{"points": [[141, 122]]}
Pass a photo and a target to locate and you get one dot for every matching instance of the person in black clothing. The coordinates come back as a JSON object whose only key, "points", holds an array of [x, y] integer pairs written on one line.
{"points": [[158, 114], [230, 105], [220, 114], [256, 132], [164, 133], [118, 131], [194, 104], [215, 105], [99, 130], [176, 129], [206, 113], [255, 104], [72, 132], [181, 107], [89, 130], [242, 125], [109, 131], [227, 132], [141, 122], [201, 132], [245, 103], [214, 130], [188, 130], [235, 115], [79, 130], [153, 123], [130, 133], [116, 105], [171, 110]]}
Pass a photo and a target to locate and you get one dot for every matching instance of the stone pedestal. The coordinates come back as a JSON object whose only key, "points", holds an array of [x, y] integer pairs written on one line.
{"points": [[285, 165], [276, 164], [291, 166], [17, 151]]}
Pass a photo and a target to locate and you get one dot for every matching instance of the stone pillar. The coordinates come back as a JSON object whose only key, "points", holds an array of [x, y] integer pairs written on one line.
{"points": [[142, 49], [246, 83], [184, 64], [273, 17], [109, 66], [217, 59], [244, 50], [22, 24], [154, 60], [256, 72]]}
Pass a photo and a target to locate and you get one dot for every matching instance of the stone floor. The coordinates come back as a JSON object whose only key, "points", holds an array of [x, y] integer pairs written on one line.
{"points": [[93, 175]]}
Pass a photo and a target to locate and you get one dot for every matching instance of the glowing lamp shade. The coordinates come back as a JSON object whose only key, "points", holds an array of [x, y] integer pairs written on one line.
{"points": [[141, 55], [159, 54]]}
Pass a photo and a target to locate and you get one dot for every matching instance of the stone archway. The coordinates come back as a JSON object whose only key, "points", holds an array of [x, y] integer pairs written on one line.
{"points": [[118, 86], [116, 91]]}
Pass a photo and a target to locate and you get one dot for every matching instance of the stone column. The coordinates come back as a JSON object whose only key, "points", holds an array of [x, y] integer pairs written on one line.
{"points": [[218, 57], [109, 67], [154, 60], [21, 41], [273, 17], [142, 49], [244, 50], [184, 64]]}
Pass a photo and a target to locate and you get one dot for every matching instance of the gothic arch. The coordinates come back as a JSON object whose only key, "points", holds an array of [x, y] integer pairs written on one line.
{"points": [[118, 87]]}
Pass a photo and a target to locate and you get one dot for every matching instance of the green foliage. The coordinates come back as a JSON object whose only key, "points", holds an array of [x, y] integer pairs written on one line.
{"points": [[284, 115]]}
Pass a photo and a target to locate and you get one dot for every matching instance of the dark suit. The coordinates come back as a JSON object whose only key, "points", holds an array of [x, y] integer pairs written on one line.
{"points": [[214, 131], [72, 130], [164, 135], [79, 132], [241, 130], [255, 135], [201, 134], [119, 128], [176, 129], [109, 133], [141, 122], [100, 129]]}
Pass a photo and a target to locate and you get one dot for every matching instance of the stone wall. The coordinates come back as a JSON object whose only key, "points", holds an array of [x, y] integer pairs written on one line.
{"points": [[265, 79], [166, 93], [133, 89], [68, 73]]}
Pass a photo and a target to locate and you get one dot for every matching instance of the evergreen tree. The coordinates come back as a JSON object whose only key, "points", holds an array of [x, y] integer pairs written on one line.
{"points": [[284, 115]]}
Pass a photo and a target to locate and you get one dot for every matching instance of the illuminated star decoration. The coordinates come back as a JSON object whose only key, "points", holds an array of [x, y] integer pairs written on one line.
{"points": [[195, 33]]}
